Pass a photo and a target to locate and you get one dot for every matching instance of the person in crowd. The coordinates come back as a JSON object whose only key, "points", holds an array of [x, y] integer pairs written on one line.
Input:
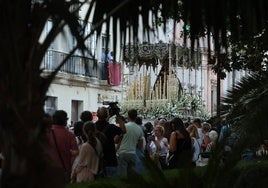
{"points": [[148, 133], [105, 61], [151, 149], [63, 145], [105, 56], [148, 129], [156, 121], [167, 130], [161, 144], [213, 136], [224, 131], [89, 157], [127, 151], [111, 57], [162, 121], [205, 129], [186, 124], [180, 146], [196, 147], [78, 131], [140, 152], [197, 123], [78, 126], [138, 121], [118, 138], [106, 132]]}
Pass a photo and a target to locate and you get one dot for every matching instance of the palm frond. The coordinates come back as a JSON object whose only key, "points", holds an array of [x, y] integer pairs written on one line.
{"points": [[247, 106]]}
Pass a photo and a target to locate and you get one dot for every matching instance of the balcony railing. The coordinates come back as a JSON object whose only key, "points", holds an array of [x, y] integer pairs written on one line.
{"points": [[79, 65], [75, 64]]}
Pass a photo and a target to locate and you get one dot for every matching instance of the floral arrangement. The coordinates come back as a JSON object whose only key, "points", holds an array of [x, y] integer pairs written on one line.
{"points": [[186, 106]]}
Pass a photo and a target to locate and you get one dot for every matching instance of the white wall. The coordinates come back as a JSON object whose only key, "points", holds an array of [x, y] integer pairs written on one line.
{"points": [[88, 95]]}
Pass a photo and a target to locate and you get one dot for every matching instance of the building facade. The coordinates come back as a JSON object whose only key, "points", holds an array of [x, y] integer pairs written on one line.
{"points": [[85, 80], [83, 83]]}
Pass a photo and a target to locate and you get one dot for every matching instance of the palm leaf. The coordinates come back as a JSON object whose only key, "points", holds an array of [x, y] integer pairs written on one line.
{"points": [[247, 106]]}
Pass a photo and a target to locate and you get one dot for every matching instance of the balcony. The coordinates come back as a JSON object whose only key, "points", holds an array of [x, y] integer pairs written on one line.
{"points": [[84, 66]]}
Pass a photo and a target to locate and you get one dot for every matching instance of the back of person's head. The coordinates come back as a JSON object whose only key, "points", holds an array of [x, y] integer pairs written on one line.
{"points": [[160, 129], [206, 126], [156, 122], [213, 135], [86, 116], [139, 120], [197, 122], [60, 118], [102, 113], [162, 121], [193, 131], [89, 128], [148, 127], [78, 128], [132, 114], [78, 132], [223, 122], [176, 122], [168, 129]]}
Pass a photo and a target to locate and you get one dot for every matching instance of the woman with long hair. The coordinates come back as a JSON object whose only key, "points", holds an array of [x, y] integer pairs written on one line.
{"points": [[91, 151], [192, 129], [180, 147]]}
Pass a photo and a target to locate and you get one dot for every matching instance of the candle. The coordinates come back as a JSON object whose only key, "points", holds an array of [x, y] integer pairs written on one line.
{"points": [[145, 87], [164, 87], [140, 87], [160, 90], [148, 84]]}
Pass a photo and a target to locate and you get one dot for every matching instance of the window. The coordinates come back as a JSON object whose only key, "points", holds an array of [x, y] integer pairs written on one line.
{"points": [[91, 41], [51, 105], [49, 26], [103, 42]]}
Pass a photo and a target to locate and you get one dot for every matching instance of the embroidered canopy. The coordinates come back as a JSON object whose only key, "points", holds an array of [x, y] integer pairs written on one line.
{"points": [[153, 54]]}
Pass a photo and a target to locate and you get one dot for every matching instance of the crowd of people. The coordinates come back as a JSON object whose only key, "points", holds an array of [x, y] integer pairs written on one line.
{"points": [[93, 150], [99, 149]]}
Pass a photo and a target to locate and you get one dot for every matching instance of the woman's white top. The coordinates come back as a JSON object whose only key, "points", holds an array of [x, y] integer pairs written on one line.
{"points": [[163, 147]]}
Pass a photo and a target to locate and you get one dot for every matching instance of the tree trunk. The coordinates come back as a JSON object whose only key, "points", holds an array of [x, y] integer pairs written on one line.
{"points": [[25, 145]]}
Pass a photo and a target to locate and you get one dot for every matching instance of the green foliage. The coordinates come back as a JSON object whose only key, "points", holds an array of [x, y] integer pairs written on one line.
{"points": [[246, 107], [248, 55], [244, 174]]}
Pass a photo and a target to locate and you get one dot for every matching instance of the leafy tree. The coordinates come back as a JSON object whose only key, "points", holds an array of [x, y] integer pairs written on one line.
{"points": [[23, 89]]}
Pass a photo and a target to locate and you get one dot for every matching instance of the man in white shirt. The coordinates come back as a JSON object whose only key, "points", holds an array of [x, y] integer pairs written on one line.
{"points": [[127, 151]]}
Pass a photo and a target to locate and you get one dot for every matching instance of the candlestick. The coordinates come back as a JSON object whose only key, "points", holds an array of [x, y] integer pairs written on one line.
{"points": [[160, 89]]}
